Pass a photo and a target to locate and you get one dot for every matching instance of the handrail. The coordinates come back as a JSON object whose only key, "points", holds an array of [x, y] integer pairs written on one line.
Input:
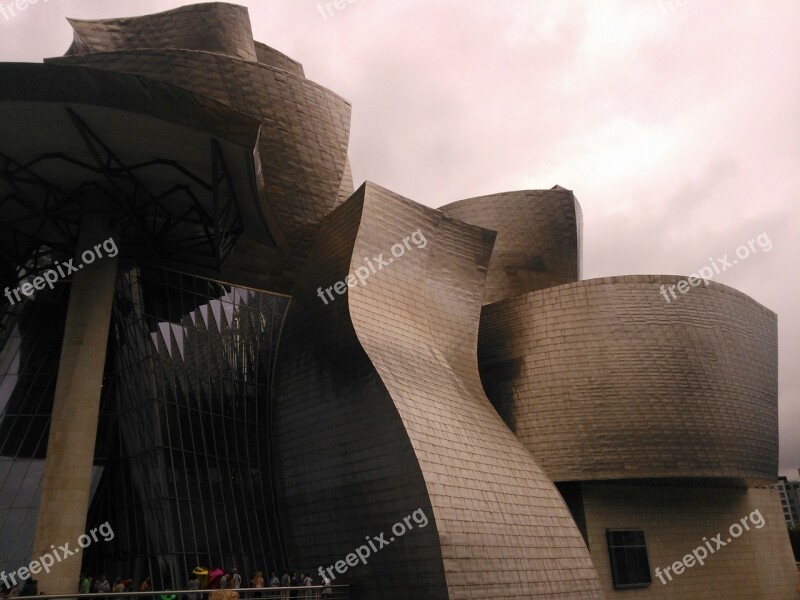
{"points": [[249, 591]]}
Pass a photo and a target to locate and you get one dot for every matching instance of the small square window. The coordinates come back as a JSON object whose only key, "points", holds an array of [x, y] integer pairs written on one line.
{"points": [[628, 553]]}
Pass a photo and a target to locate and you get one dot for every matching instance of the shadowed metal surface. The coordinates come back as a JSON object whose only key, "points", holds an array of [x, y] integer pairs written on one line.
{"points": [[539, 238], [304, 127], [186, 191], [386, 379], [603, 379]]}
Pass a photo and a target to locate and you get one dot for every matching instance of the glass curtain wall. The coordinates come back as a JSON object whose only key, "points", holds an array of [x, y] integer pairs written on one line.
{"points": [[183, 471]]}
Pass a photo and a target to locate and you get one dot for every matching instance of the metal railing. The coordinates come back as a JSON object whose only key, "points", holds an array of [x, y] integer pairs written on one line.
{"points": [[306, 592]]}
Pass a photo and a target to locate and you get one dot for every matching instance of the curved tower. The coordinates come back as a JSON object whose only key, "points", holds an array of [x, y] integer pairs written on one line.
{"points": [[392, 370], [539, 238]]}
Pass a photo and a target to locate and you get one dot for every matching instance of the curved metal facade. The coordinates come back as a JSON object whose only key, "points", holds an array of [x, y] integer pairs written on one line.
{"points": [[267, 55], [603, 379], [209, 27], [389, 373], [539, 238], [216, 444], [304, 131], [301, 154]]}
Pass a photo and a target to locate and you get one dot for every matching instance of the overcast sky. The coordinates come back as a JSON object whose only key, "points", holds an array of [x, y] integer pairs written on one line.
{"points": [[676, 122]]}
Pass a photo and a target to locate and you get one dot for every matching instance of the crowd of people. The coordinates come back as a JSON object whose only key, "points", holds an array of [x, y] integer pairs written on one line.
{"points": [[225, 584], [101, 585], [214, 584], [211, 584]]}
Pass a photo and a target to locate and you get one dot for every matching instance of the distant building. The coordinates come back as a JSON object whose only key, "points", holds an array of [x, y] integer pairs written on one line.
{"points": [[790, 499]]}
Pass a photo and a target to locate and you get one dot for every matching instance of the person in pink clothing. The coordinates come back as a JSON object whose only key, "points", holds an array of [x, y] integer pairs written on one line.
{"points": [[214, 576]]}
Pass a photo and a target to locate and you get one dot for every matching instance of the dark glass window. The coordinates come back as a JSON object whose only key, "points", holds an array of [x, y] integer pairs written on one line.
{"points": [[190, 467], [628, 554], [30, 342], [184, 468]]}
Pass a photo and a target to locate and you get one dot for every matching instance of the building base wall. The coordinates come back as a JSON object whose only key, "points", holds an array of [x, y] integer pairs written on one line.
{"points": [[758, 564]]}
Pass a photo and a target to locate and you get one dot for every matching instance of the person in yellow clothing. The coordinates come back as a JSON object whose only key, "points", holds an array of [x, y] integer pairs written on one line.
{"points": [[202, 576]]}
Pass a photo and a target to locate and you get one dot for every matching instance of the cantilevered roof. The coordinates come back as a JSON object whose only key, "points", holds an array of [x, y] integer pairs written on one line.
{"points": [[293, 132], [177, 169]]}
